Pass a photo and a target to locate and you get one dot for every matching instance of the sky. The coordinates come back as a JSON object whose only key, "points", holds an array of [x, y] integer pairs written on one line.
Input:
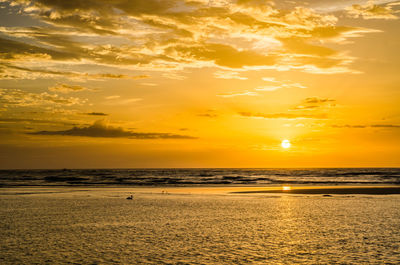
{"points": [[199, 83]]}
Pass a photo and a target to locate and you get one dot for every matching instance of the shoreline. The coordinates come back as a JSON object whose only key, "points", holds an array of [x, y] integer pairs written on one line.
{"points": [[328, 190], [204, 190]]}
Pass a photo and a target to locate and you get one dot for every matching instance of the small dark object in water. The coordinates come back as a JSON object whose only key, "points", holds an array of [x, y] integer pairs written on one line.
{"points": [[327, 195], [129, 197]]}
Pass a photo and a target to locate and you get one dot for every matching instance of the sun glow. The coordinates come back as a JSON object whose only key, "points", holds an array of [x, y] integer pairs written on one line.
{"points": [[286, 188], [286, 144]]}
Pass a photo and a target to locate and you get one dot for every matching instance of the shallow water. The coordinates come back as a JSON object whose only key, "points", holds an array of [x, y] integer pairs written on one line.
{"points": [[102, 228]]}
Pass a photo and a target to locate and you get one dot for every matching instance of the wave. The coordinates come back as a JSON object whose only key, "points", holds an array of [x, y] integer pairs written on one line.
{"points": [[173, 176]]}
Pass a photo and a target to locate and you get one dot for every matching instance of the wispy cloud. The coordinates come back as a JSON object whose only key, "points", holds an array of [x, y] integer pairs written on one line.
{"points": [[358, 126], [125, 101], [267, 88], [238, 94], [228, 75], [316, 100], [117, 100], [276, 84], [288, 116], [314, 103], [269, 79], [11, 71], [208, 114], [148, 84], [174, 76], [34, 121], [20, 98], [306, 107], [112, 97], [99, 129]]}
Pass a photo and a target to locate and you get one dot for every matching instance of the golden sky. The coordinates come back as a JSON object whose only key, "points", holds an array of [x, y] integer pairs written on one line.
{"points": [[199, 83]]}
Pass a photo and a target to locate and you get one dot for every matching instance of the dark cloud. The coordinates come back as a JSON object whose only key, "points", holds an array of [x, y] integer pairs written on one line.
{"points": [[350, 126], [99, 129], [60, 46], [98, 16], [99, 25], [45, 72], [254, 2], [210, 113], [207, 115], [315, 103], [11, 49], [394, 126], [65, 88], [316, 100], [27, 120], [385, 126], [248, 20], [96, 114], [289, 116], [116, 76], [133, 7]]}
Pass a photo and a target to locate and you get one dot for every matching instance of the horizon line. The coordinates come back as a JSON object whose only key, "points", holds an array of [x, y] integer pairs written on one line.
{"points": [[155, 168]]}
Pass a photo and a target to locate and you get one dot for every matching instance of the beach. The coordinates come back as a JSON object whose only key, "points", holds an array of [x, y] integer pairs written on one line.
{"points": [[196, 225], [199, 132]]}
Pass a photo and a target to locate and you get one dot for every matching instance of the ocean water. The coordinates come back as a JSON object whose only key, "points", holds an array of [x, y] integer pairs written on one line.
{"points": [[93, 227], [188, 177]]}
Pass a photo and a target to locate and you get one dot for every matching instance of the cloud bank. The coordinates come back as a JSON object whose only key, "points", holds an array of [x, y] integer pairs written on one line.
{"points": [[99, 129], [153, 35]]}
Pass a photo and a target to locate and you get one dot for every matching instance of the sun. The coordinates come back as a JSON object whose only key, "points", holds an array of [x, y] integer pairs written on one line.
{"points": [[286, 144]]}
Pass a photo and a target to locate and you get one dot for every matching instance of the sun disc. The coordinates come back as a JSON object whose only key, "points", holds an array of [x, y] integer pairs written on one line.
{"points": [[286, 144]]}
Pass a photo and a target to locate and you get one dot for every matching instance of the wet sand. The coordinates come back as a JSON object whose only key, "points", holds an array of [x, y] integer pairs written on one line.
{"points": [[371, 190]]}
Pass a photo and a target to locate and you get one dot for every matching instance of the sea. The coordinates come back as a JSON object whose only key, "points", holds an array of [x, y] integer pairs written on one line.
{"points": [[83, 217], [188, 177]]}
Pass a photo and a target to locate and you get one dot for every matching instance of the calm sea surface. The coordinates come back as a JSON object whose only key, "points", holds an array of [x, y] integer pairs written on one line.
{"points": [[79, 225]]}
